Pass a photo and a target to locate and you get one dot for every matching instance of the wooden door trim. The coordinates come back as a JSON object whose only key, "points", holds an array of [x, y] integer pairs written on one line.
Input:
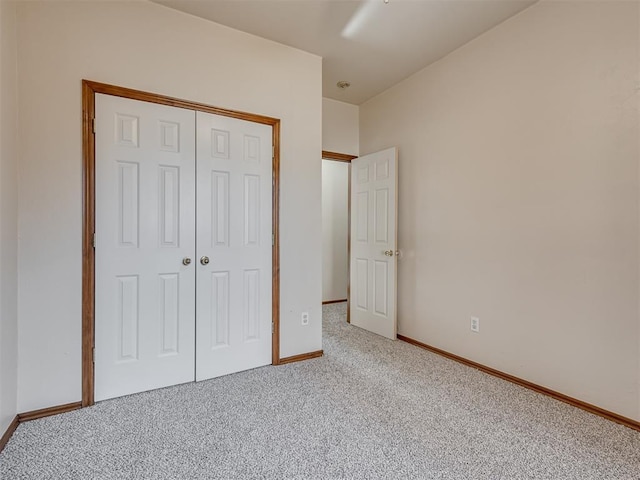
{"points": [[343, 157], [338, 157], [89, 91]]}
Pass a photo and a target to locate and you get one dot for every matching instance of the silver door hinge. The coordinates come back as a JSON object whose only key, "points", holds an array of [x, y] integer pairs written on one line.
{"points": [[93, 125], [94, 240]]}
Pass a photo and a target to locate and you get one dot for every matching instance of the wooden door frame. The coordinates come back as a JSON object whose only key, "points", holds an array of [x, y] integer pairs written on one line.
{"points": [[89, 91], [343, 157]]}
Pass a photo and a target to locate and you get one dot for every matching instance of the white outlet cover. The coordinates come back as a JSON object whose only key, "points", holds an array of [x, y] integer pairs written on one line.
{"points": [[475, 324]]}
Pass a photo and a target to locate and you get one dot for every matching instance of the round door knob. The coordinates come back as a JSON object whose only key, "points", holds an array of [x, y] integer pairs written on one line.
{"points": [[204, 260], [388, 253], [186, 261]]}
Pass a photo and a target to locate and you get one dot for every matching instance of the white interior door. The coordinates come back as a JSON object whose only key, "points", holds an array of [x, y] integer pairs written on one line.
{"points": [[374, 242], [234, 245], [145, 228]]}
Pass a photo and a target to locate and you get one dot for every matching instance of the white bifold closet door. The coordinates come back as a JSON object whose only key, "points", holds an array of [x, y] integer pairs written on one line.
{"points": [[167, 307], [145, 227], [233, 313]]}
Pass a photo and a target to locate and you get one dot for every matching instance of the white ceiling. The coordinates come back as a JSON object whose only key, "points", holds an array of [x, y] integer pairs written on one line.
{"points": [[369, 43]]}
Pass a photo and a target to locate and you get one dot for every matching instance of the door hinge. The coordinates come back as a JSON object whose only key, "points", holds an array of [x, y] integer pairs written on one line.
{"points": [[93, 242], [273, 152], [273, 327], [93, 125], [93, 354], [273, 239]]}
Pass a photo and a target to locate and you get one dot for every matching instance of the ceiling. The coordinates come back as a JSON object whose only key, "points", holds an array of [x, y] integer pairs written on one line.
{"points": [[368, 43]]}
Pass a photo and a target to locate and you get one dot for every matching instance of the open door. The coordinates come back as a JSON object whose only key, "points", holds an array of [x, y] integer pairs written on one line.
{"points": [[373, 266]]}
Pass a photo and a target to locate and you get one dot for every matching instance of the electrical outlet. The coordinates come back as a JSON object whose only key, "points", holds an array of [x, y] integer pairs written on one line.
{"points": [[305, 318], [475, 324]]}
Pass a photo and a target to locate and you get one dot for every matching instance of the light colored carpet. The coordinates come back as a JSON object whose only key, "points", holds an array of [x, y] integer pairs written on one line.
{"points": [[369, 409]]}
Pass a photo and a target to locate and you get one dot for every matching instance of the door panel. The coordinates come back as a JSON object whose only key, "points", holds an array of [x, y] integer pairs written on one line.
{"points": [[145, 227], [374, 243], [234, 185]]}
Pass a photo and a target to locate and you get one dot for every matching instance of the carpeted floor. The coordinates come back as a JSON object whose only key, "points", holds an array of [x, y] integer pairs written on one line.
{"points": [[369, 409]]}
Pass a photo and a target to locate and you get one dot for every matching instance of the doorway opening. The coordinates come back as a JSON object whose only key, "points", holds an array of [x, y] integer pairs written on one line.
{"points": [[371, 240], [336, 230]]}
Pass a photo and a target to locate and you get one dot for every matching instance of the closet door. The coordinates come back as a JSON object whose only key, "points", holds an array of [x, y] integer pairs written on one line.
{"points": [[145, 239], [234, 245]]}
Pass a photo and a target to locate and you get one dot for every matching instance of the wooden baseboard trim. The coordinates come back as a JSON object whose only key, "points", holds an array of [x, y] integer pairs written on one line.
{"points": [[301, 357], [329, 302], [33, 415], [614, 417], [47, 412], [7, 435]]}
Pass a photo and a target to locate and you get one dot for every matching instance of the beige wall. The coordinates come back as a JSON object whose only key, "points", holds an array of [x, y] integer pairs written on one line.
{"points": [[519, 192], [335, 187], [340, 134], [340, 127], [8, 216], [148, 47]]}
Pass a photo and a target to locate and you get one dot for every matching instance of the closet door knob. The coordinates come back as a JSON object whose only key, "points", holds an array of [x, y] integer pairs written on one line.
{"points": [[204, 260], [186, 261]]}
